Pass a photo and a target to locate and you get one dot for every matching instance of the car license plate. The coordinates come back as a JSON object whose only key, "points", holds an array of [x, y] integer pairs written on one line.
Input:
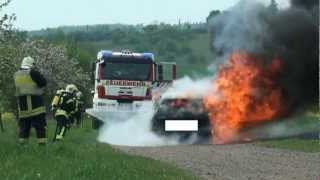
{"points": [[181, 125]]}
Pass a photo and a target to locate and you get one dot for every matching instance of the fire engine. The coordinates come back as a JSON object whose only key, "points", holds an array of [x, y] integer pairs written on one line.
{"points": [[124, 80]]}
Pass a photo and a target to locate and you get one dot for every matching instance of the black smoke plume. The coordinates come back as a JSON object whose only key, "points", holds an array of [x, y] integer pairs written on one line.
{"points": [[291, 34], [307, 4]]}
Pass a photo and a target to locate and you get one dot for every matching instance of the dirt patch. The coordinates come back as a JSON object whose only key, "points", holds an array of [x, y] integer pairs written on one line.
{"points": [[244, 161]]}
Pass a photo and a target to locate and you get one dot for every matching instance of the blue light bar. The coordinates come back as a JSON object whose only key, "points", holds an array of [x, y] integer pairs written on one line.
{"points": [[104, 54], [148, 56]]}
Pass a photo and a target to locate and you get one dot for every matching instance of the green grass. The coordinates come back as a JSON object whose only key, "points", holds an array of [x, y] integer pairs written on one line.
{"points": [[78, 157], [297, 144], [310, 123]]}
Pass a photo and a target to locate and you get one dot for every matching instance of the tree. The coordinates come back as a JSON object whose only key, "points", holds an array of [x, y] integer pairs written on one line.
{"points": [[8, 44], [55, 65], [118, 36], [212, 14], [150, 28], [52, 60], [5, 23], [72, 47]]}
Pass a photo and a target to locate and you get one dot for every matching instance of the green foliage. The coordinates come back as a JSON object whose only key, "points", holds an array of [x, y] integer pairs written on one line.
{"points": [[168, 42], [56, 66], [118, 37], [78, 157], [51, 60], [307, 143], [55, 61], [7, 116], [9, 40], [6, 20]]}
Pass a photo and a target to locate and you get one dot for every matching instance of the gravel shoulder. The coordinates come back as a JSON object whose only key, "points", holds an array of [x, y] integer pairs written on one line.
{"points": [[240, 161]]}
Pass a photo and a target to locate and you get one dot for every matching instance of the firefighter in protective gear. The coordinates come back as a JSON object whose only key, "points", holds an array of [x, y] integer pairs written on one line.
{"points": [[77, 115], [63, 105], [30, 84]]}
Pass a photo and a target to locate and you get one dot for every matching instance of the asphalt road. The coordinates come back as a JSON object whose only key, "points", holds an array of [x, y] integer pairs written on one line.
{"points": [[241, 161]]}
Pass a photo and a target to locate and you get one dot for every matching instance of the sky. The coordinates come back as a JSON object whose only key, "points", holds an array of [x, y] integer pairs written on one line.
{"points": [[38, 14]]}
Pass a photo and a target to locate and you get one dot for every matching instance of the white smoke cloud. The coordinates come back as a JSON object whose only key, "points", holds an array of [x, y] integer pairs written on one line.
{"points": [[187, 87], [134, 129], [281, 3]]}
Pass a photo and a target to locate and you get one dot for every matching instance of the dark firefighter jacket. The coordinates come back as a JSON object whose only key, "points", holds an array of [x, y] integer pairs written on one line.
{"points": [[63, 103], [78, 105], [29, 90]]}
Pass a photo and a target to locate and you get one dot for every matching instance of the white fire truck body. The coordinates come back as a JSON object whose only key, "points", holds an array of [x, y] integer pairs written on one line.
{"points": [[123, 81]]}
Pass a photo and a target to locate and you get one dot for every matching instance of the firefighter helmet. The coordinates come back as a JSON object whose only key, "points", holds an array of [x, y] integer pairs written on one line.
{"points": [[27, 62], [71, 88]]}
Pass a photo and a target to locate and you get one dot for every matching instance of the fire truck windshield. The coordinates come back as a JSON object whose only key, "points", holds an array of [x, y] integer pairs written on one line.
{"points": [[127, 71]]}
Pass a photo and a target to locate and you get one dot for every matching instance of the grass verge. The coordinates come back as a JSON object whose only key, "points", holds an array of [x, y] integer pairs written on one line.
{"points": [[297, 144], [78, 157], [306, 143]]}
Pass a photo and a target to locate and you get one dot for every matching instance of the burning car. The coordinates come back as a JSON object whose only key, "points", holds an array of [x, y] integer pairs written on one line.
{"points": [[182, 117]]}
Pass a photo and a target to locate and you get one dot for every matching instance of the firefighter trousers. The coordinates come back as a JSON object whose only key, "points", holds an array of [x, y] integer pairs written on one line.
{"points": [[77, 117], [63, 124], [38, 122]]}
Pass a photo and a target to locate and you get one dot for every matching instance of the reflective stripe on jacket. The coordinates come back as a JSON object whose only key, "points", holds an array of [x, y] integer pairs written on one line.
{"points": [[30, 110], [61, 112], [25, 85]]}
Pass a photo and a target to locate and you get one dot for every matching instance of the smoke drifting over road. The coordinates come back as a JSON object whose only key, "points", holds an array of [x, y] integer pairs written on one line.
{"points": [[132, 129]]}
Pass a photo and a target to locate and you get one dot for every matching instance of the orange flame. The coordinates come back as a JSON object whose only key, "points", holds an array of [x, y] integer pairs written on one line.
{"points": [[245, 94]]}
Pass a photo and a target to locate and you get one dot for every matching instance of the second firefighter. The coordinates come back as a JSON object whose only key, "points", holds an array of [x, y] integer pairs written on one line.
{"points": [[63, 104]]}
